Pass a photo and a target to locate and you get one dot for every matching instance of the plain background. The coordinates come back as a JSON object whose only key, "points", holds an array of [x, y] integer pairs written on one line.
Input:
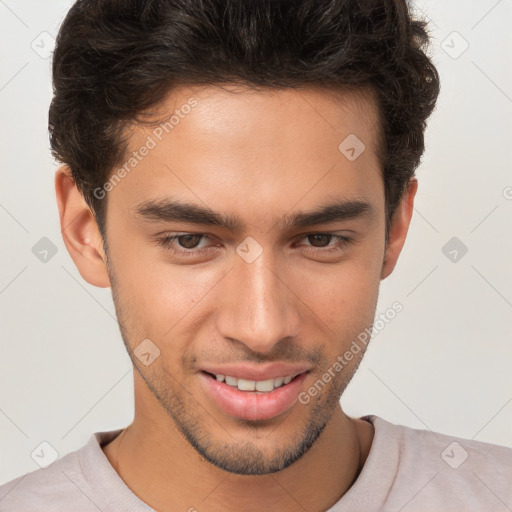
{"points": [[443, 363]]}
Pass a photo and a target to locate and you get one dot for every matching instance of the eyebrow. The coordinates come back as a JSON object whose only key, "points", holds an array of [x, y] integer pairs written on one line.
{"points": [[170, 210]]}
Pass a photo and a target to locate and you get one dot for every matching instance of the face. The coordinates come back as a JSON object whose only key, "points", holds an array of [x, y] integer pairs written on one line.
{"points": [[216, 261]]}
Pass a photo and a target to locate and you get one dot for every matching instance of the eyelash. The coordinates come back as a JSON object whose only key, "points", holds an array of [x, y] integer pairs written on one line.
{"points": [[167, 241]]}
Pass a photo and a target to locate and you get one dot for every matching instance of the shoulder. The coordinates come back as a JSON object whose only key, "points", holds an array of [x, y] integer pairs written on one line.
{"points": [[43, 488], [440, 472], [64, 485]]}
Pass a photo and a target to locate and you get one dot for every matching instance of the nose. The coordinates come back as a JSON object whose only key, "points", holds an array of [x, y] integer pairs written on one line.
{"points": [[259, 307]]}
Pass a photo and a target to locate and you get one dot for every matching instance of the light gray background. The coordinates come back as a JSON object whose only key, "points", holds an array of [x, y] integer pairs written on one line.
{"points": [[443, 363]]}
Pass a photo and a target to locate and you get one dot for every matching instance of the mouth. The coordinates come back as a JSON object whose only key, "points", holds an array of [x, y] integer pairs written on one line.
{"points": [[253, 399], [254, 386]]}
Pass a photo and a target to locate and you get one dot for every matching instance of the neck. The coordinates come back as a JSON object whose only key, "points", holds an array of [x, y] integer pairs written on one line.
{"points": [[160, 466]]}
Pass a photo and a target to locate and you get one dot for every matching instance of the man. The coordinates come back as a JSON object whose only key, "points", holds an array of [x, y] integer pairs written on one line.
{"points": [[242, 175]]}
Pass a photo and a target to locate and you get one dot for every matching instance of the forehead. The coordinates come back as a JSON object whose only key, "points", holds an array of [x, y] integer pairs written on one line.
{"points": [[234, 146], [232, 111]]}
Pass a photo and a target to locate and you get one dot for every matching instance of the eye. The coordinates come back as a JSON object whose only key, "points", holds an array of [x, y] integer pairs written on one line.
{"points": [[320, 241], [184, 244], [188, 244]]}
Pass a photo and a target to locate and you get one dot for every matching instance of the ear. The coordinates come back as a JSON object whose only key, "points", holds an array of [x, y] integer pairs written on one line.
{"points": [[80, 231], [398, 229]]}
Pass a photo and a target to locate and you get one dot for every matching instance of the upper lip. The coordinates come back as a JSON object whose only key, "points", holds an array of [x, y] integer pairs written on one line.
{"points": [[259, 372]]}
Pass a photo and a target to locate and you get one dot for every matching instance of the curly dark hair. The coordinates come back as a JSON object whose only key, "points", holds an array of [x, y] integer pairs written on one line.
{"points": [[116, 59]]}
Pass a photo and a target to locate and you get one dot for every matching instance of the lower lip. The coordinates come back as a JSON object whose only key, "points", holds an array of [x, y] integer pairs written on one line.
{"points": [[251, 405]]}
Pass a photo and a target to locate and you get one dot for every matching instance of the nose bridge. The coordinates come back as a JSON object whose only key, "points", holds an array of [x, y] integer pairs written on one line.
{"points": [[259, 309]]}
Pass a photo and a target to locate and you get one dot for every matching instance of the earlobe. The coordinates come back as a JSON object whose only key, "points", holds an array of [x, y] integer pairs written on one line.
{"points": [[80, 231], [398, 229]]}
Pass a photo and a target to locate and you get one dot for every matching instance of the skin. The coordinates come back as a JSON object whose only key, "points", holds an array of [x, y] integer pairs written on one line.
{"points": [[259, 156]]}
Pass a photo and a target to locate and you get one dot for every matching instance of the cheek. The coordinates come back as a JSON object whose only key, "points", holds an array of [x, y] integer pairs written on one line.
{"points": [[341, 298], [160, 297]]}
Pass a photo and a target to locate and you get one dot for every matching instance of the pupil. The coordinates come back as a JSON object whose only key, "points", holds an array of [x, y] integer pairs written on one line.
{"points": [[317, 237], [188, 244]]}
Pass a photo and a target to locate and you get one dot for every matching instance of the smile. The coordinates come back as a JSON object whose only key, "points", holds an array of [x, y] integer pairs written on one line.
{"points": [[263, 386]]}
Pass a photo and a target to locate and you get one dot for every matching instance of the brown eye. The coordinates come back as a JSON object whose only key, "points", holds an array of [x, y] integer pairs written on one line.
{"points": [[186, 244], [189, 241], [321, 243], [318, 240]]}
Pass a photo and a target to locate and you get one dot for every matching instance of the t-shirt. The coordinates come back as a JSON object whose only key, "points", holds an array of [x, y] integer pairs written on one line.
{"points": [[406, 470]]}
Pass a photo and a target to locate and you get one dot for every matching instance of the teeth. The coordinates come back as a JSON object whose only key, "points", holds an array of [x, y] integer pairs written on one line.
{"points": [[263, 386], [246, 385], [232, 381]]}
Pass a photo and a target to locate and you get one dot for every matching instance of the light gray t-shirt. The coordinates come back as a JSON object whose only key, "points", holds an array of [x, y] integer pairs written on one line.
{"points": [[406, 470]]}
